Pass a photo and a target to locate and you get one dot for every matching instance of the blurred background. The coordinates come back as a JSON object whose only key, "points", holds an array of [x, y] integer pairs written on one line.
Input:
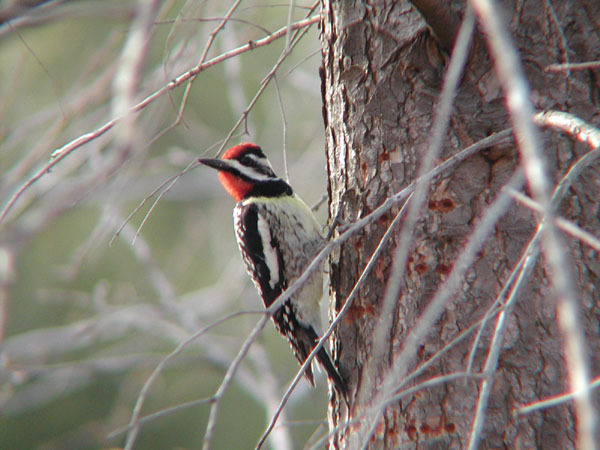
{"points": [[111, 253]]}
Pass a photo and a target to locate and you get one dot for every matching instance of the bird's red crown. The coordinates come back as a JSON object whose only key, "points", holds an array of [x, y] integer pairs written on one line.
{"points": [[238, 150]]}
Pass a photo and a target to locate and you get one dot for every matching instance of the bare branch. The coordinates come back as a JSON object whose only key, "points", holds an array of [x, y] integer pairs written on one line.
{"points": [[347, 304], [242, 118], [134, 423], [227, 379], [560, 222], [359, 225], [511, 77], [569, 123], [426, 384], [209, 43], [588, 65], [442, 117], [126, 79], [524, 268], [284, 129], [392, 201], [59, 154], [158, 414], [554, 401], [442, 296]]}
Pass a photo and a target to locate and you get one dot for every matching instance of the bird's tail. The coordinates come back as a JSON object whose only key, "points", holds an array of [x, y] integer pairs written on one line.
{"points": [[332, 373]]}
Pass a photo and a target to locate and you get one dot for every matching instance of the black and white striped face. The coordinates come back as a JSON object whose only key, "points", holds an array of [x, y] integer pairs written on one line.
{"points": [[246, 161], [250, 162], [245, 171]]}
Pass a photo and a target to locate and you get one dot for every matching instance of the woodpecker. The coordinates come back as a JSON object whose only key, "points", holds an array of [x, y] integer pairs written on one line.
{"points": [[278, 236]]}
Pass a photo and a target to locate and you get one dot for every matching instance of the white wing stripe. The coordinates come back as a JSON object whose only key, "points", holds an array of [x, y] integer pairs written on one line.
{"points": [[268, 250]]}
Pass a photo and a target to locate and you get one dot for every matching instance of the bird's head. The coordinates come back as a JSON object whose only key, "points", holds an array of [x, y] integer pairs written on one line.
{"points": [[245, 171]]}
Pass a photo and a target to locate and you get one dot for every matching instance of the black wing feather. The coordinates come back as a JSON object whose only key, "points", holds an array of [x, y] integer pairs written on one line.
{"points": [[302, 339], [253, 254]]}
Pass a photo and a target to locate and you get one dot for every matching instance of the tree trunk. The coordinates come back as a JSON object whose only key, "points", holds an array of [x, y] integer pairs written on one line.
{"points": [[383, 70]]}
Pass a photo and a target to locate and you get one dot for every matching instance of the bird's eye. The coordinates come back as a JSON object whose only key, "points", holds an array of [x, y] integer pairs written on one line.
{"points": [[246, 160]]}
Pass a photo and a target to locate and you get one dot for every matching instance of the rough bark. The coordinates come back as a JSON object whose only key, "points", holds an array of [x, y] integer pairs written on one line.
{"points": [[383, 65]]}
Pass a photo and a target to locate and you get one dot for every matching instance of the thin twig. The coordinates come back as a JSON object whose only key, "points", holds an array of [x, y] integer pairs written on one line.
{"points": [[134, 422], [374, 215], [126, 80], [53, 83], [211, 19], [426, 384], [302, 61], [284, 129], [389, 203], [442, 118], [512, 79], [264, 83], [211, 38], [317, 205], [347, 304], [491, 363], [400, 256], [288, 37], [168, 182], [560, 222], [571, 124], [444, 293], [588, 65], [224, 142], [554, 401], [561, 33], [158, 414], [163, 188], [59, 154], [492, 310], [227, 379]]}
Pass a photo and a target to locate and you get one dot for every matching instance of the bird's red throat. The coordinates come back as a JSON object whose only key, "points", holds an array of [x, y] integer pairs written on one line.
{"points": [[234, 185]]}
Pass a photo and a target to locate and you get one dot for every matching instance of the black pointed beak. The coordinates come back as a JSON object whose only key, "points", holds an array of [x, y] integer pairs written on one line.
{"points": [[218, 164]]}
